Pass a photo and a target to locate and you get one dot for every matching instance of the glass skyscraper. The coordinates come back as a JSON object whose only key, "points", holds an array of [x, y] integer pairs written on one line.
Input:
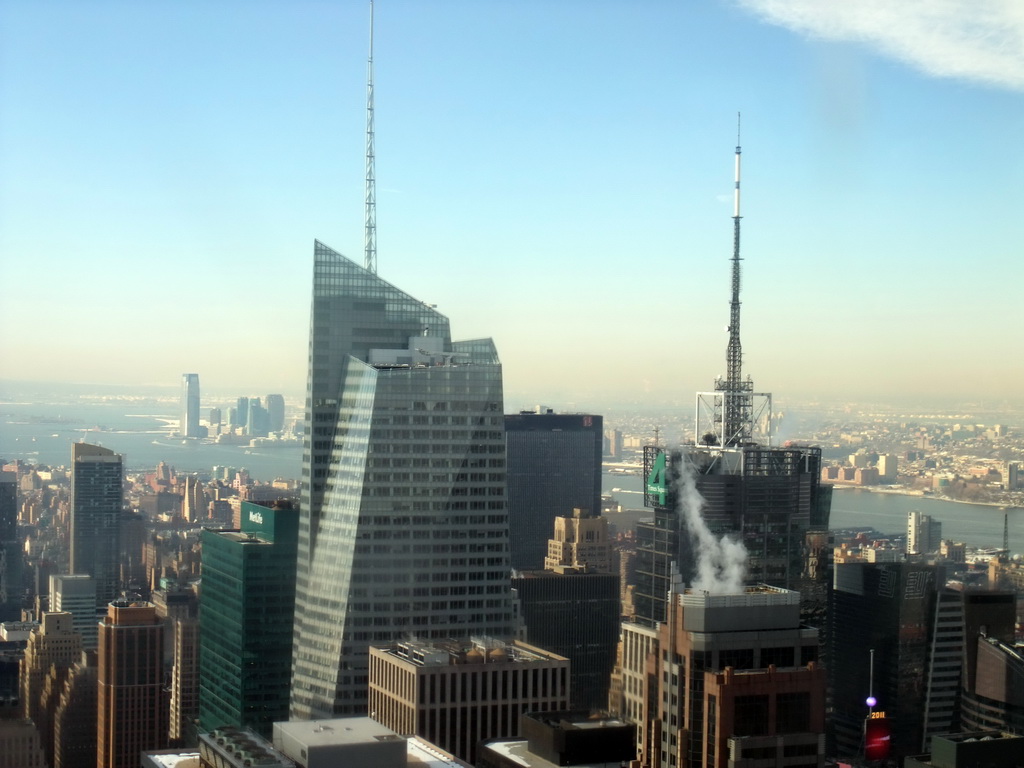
{"points": [[403, 529], [97, 499], [190, 405], [245, 623]]}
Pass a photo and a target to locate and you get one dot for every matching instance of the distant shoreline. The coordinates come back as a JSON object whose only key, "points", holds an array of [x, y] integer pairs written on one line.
{"points": [[922, 495]]}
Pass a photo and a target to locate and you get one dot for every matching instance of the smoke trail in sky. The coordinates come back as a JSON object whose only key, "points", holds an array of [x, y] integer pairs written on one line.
{"points": [[721, 562]]}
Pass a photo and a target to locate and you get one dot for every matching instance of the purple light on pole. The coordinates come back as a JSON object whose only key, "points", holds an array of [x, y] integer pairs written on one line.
{"points": [[871, 701]]}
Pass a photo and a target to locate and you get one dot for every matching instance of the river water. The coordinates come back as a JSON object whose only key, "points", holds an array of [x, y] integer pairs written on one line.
{"points": [[138, 429], [976, 524]]}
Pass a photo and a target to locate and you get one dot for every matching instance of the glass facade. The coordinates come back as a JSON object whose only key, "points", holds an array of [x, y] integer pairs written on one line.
{"points": [[245, 622], [97, 498], [554, 466], [404, 529], [769, 498], [889, 608], [190, 405]]}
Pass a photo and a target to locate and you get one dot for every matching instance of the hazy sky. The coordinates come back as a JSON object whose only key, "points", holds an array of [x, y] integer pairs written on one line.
{"points": [[555, 174]]}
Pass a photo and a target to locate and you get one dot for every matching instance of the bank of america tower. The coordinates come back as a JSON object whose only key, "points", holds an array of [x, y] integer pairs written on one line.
{"points": [[403, 528]]}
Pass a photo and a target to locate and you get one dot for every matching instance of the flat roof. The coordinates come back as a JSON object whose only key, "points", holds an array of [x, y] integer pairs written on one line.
{"points": [[335, 731]]}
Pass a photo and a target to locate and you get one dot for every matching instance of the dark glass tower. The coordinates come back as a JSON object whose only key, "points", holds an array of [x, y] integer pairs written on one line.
{"points": [[97, 499], [403, 529], [891, 608], [245, 622], [554, 466], [11, 589], [767, 498]]}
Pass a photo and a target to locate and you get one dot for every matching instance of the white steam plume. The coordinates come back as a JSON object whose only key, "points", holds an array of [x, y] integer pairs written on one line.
{"points": [[721, 562]]}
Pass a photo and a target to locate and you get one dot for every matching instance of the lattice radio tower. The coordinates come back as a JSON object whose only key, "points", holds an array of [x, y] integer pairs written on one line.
{"points": [[370, 237], [733, 415]]}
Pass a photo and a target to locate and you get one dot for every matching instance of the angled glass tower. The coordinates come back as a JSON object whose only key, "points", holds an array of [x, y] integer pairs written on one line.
{"points": [[403, 528]]}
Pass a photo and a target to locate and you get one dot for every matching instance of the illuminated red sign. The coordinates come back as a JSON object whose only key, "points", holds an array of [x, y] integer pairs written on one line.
{"points": [[877, 736]]}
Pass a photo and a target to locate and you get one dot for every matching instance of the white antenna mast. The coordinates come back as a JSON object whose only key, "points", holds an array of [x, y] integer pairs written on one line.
{"points": [[370, 238]]}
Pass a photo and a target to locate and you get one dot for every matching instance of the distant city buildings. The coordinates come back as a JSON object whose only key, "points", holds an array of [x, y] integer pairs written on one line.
{"points": [[275, 412], [190, 426], [924, 533]]}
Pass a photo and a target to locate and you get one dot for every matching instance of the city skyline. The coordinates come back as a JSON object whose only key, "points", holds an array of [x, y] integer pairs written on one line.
{"points": [[578, 155]]}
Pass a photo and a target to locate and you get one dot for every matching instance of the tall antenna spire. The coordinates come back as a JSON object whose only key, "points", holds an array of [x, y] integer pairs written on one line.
{"points": [[370, 238], [734, 353], [734, 415], [738, 399]]}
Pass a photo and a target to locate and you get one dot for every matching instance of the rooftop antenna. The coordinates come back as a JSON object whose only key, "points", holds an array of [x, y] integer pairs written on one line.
{"points": [[737, 398], [370, 238], [734, 416]]}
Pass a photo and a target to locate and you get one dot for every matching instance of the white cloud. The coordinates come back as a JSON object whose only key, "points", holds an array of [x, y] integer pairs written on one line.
{"points": [[975, 40]]}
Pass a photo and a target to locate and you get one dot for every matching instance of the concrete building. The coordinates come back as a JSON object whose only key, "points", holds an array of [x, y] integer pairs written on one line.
{"points": [[456, 694], [131, 706], [193, 503], [245, 620], [75, 718], [888, 467], [737, 679], [991, 749], [171, 758], [184, 703], [993, 665], [404, 526], [637, 662], [613, 443], [553, 739], [20, 745], [554, 467], [233, 748], [97, 501], [580, 541], [356, 742], [1012, 476], [76, 594], [52, 648], [924, 534], [275, 412]]}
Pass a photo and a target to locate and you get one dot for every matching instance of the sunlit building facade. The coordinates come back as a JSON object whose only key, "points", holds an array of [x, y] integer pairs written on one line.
{"points": [[190, 405], [403, 526]]}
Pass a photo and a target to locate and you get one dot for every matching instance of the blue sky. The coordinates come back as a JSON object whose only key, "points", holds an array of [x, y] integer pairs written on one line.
{"points": [[556, 175]]}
